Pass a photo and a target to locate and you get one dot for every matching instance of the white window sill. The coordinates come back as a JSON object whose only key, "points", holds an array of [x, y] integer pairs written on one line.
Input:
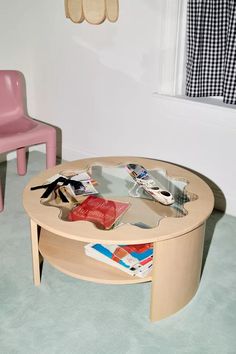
{"points": [[210, 101]]}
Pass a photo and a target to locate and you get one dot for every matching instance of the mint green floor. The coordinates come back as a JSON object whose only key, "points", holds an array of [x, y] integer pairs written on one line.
{"points": [[66, 316]]}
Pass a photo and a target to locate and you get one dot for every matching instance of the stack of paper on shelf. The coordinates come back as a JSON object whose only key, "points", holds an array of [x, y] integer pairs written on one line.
{"points": [[102, 212], [135, 260]]}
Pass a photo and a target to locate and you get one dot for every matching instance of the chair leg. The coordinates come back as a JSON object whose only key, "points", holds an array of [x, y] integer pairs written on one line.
{"points": [[51, 150], [21, 161], [1, 198]]}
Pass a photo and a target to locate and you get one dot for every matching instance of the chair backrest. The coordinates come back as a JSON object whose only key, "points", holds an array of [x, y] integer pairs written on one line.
{"points": [[12, 92]]}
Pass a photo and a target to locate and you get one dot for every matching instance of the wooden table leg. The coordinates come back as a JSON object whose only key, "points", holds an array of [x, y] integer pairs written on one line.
{"points": [[36, 256], [176, 272]]}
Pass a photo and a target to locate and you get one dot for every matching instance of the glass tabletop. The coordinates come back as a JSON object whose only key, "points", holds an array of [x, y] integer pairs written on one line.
{"points": [[115, 184]]}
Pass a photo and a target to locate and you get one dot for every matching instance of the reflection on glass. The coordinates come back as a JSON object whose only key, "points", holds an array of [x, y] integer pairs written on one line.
{"points": [[115, 182]]}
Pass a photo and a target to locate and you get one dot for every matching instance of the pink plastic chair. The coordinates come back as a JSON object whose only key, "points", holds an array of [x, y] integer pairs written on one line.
{"points": [[17, 130]]}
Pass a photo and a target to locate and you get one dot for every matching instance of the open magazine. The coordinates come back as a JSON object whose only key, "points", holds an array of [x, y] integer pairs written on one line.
{"points": [[81, 182], [135, 260], [67, 184], [142, 177]]}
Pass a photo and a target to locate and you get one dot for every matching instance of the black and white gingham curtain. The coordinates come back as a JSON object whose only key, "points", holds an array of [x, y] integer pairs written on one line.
{"points": [[211, 49]]}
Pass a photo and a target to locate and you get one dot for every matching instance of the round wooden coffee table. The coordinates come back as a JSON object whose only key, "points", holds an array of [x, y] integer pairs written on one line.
{"points": [[178, 235]]}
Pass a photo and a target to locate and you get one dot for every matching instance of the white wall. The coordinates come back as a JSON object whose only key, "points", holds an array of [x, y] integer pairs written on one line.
{"points": [[96, 83]]}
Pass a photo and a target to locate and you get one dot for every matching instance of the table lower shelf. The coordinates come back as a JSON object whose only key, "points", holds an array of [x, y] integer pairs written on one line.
{"points": [[69, 257]]}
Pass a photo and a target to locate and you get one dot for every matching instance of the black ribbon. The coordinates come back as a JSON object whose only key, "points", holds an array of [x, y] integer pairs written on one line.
{"points": [[61, 181]]}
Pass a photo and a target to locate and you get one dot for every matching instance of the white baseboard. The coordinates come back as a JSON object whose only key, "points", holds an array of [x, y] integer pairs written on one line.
{"points": [[70, 154], [230, 208], [12, 155]]}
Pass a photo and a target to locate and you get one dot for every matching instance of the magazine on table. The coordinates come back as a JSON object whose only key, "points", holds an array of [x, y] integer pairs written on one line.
{"points": [[66, 185], [135, 260], [103, 212], [142, 177], [77, 175], [82, 188], [81, 182]]}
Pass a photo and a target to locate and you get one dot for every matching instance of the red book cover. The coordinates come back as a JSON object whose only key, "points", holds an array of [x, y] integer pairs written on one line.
{"points": [[102, 212]]}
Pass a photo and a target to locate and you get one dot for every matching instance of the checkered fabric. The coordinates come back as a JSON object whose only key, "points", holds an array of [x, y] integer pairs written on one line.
{"points": [[211, 49]]}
